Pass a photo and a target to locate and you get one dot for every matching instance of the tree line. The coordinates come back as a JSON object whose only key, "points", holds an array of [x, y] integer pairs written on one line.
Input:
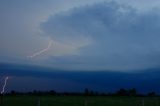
{"points": [[86, 92]]}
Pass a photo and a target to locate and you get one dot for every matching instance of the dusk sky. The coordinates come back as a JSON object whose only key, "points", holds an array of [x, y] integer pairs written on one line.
{"points": [[88, 36]]}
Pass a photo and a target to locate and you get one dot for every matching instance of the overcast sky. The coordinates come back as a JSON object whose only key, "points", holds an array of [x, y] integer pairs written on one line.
{"points": [[121, 35]]}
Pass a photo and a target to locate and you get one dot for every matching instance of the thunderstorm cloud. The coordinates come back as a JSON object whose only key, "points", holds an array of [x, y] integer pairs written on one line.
{"points": [[108, 36]]}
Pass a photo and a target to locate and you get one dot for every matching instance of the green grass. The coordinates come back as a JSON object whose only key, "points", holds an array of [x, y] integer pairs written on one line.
{"points": [[79, 101]]}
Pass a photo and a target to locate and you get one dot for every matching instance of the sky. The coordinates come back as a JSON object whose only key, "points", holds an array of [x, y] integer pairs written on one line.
{"points": [[85, 34], [81, 35], [24, 78]]}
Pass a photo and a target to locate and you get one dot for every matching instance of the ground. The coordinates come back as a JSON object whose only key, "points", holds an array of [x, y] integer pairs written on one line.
{"points": [[79, 101]]}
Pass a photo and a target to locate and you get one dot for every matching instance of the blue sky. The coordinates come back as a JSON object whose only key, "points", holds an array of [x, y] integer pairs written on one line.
{"points": [[86, 34]]}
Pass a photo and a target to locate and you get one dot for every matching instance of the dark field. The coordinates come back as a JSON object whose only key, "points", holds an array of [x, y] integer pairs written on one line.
{"points": [[79, 101]]}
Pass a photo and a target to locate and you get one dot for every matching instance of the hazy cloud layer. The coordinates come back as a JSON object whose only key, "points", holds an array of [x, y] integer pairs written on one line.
{"points": [[113, 36]]}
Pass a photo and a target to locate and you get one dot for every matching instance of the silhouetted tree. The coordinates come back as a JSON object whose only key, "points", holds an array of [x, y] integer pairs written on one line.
{"points": [[91, 93], [122, 92], [86, 92], [13, 92], [151, 94], [132, 92], [52, 92], [96, 93]]}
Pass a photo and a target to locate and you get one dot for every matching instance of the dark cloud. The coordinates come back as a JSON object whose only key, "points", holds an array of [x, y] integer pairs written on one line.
{"points": [[122, 37], [27, 78]]}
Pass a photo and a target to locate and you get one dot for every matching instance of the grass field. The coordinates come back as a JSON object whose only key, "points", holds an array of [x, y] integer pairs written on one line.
{"points": [[79, 101]]}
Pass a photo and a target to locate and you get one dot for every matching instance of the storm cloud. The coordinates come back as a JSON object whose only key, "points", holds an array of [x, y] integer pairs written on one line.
{"points": [[108, 36]]}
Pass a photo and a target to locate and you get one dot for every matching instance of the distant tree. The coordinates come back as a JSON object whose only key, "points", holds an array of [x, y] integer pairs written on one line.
{"points": [[13, 92], [52, 92], [132, 92], [122, 92], [91, 93], [35, 91], [86, 92], [96, 93], [151, 94]]}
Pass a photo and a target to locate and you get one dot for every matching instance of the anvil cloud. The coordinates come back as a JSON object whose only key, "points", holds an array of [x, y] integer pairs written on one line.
{"points": [[114, 37]]}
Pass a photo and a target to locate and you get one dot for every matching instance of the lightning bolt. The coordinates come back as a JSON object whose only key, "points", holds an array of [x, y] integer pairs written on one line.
{"points": [[4, 86], [42, 51]]}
